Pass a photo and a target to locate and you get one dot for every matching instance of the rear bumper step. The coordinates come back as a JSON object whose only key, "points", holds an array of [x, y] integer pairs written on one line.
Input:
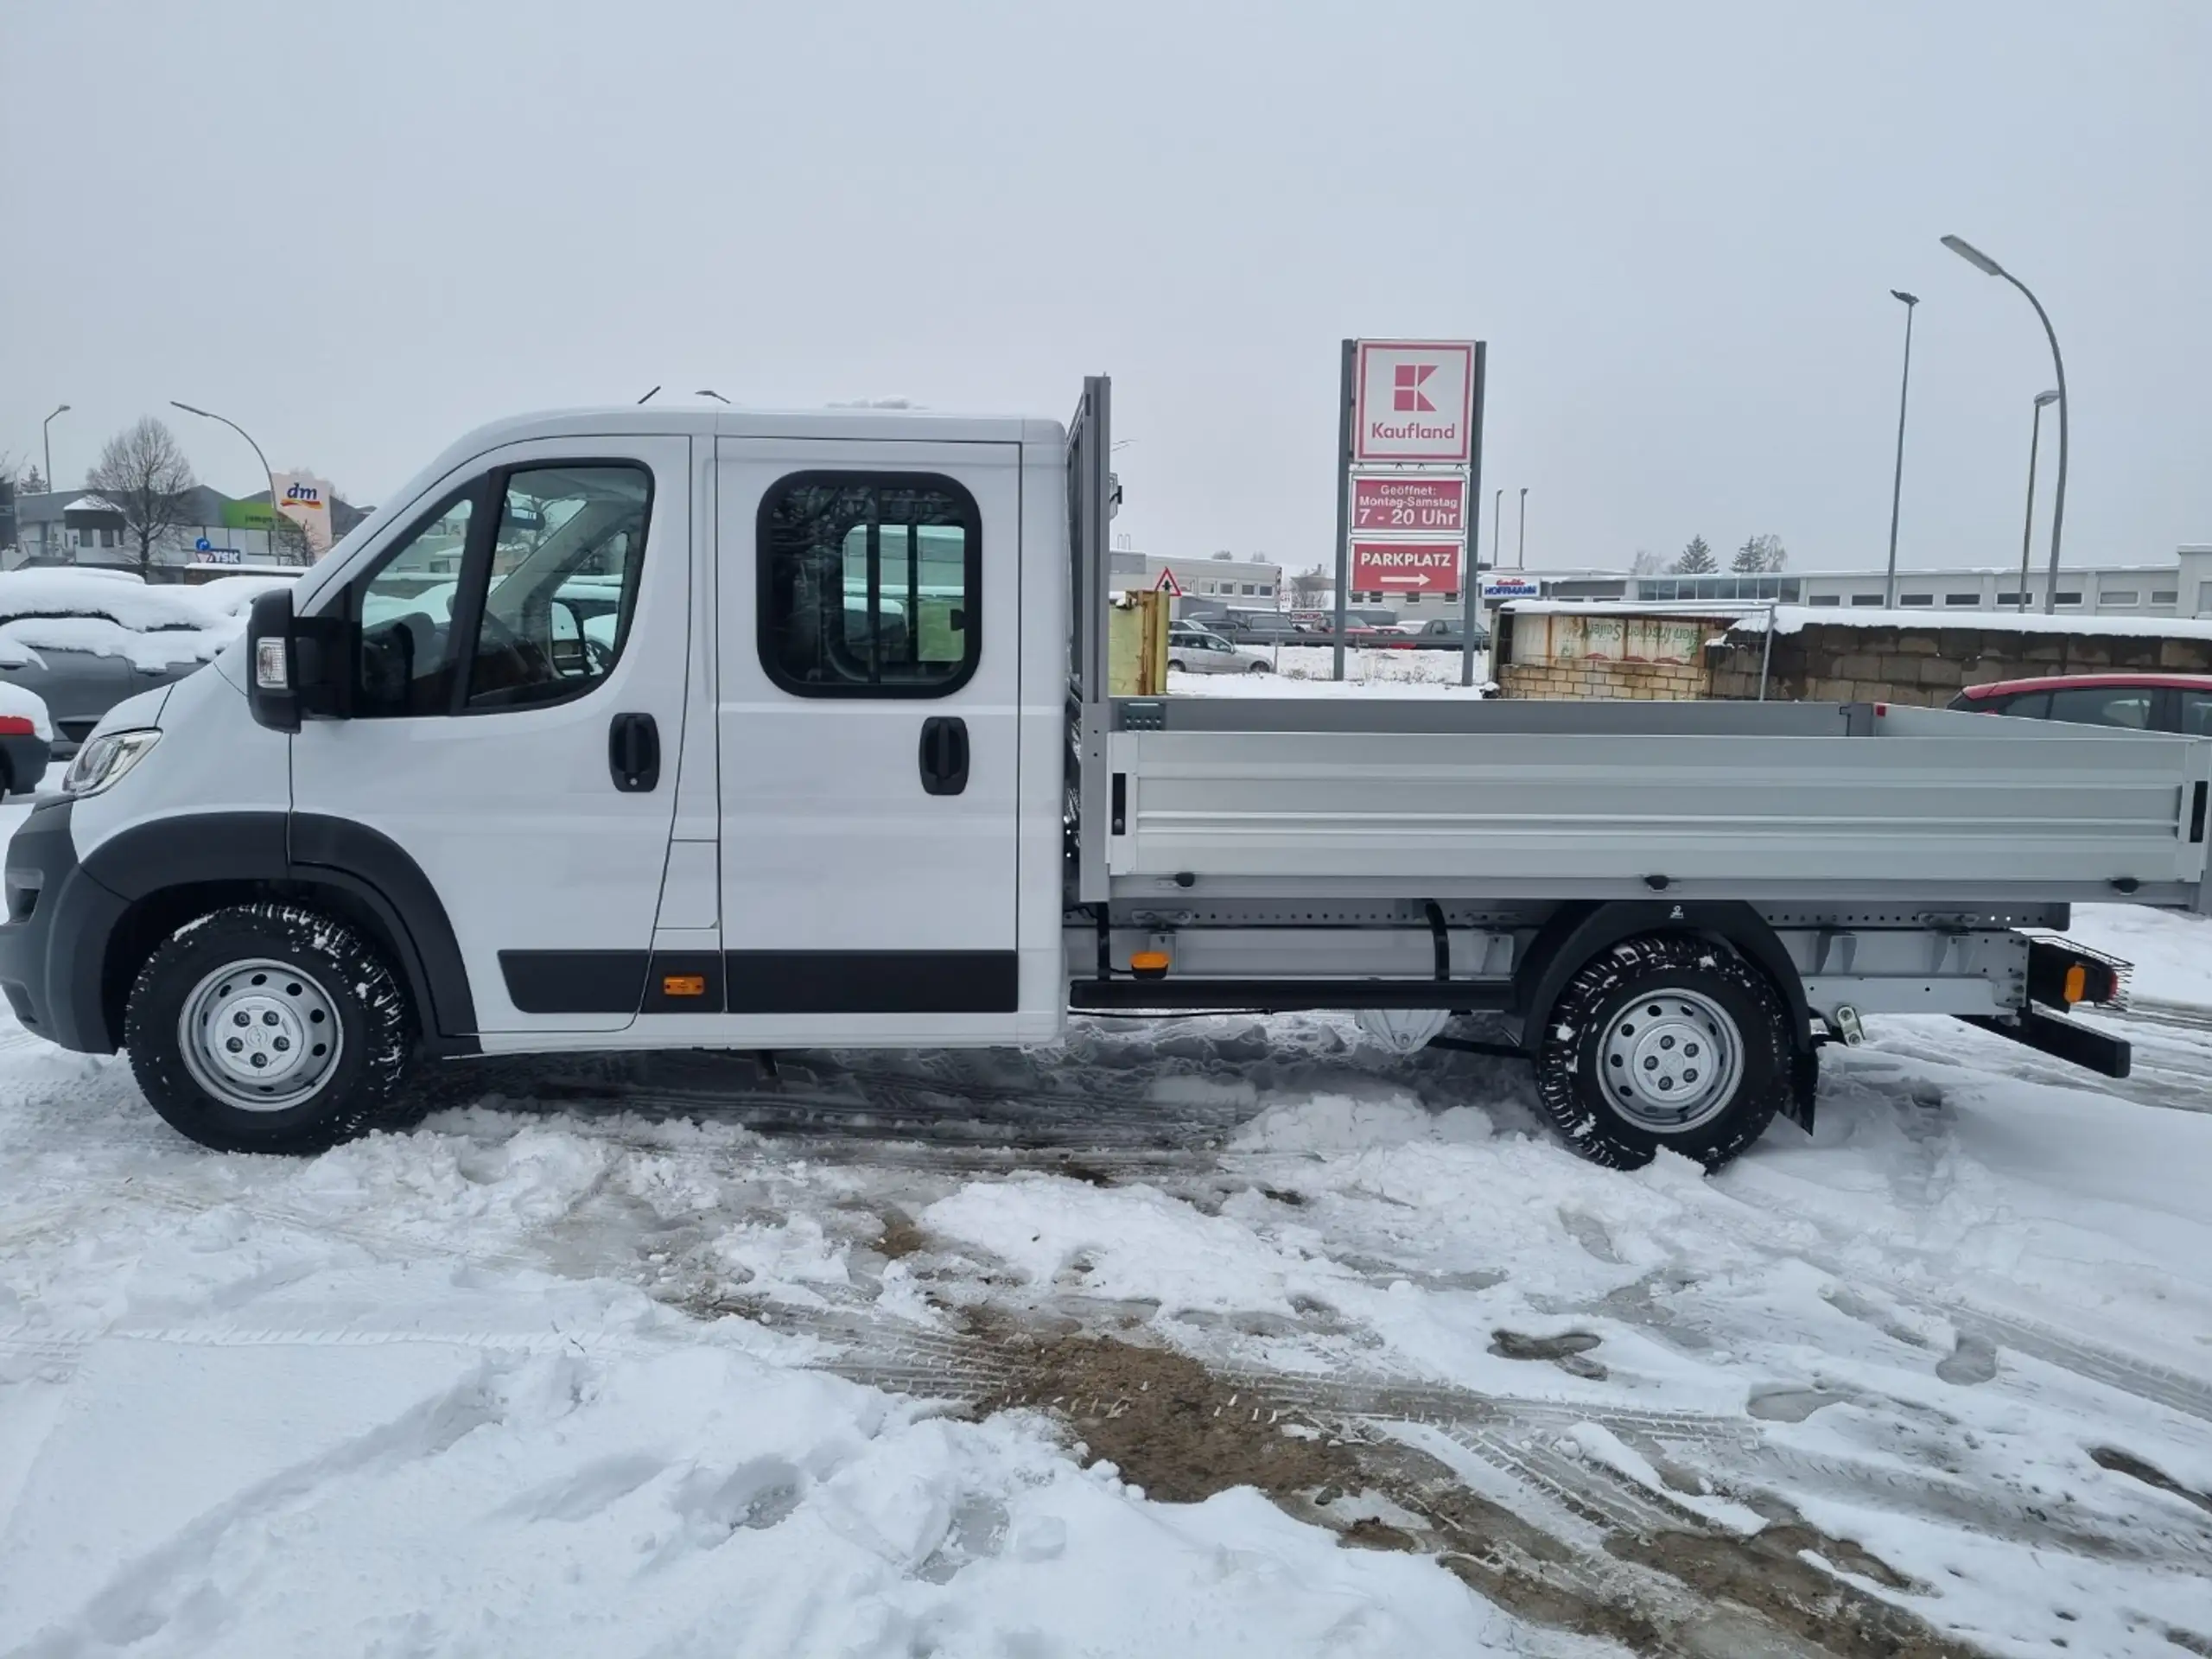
{"points": [[2063, 1038]]}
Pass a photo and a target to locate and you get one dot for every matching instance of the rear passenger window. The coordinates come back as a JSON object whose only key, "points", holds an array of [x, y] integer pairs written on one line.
{"points": [[2123, 706], [871, 584], [2031, 705]]}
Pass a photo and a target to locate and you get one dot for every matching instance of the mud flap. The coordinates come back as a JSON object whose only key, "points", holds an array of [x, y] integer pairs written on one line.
{"points": [[1804, 1084]]}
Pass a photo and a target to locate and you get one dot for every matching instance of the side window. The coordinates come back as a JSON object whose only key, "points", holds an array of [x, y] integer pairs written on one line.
{"points": [[404, 608], [2029, 705], [2125, 706], [532, 609], [870, 584], [563, 570], [2196, 713]]}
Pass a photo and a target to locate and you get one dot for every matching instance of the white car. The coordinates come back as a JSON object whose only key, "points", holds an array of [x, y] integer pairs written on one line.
{"points": [[1197, 650]]}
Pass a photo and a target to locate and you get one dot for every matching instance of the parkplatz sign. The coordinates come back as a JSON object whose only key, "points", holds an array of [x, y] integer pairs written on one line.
{"points": [[1422, 568]]}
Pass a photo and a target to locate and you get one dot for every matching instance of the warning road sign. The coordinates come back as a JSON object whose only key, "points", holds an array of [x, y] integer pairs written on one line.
{"points": [[1168, 585]]}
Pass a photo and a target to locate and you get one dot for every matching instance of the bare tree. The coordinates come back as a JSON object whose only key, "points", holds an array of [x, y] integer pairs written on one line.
{"points": [[145, 474], [1645, 563], [1307, 587]]}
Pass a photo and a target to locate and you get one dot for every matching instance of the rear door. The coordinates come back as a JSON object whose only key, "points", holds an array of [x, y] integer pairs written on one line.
{"points": [[491, 698], [868, 652]]}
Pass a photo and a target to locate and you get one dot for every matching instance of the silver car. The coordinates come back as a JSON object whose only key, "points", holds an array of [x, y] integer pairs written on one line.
{"points": [[1197, 650]]}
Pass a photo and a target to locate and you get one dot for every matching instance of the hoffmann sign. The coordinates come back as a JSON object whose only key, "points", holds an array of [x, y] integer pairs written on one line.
{"points": [[1413, 401], [1406, 567]]}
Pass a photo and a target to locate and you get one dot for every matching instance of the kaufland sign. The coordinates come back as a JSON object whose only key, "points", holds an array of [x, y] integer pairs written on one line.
{"points": [[1413, 401]]}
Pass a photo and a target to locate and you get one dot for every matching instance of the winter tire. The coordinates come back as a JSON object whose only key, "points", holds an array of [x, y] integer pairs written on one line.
{"points": [[270, 1028], [1176, 666], [1664, 1041]]}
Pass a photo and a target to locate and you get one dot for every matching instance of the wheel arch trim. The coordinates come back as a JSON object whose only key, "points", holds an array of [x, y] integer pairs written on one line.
{"points": [[292, 852]]}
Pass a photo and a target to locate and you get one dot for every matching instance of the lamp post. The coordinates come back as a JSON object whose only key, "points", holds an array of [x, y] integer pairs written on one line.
{"points": [[1520, 547], [2044, 399], [1897, 482], [267, 471], [46, 437], [1981, 262]]}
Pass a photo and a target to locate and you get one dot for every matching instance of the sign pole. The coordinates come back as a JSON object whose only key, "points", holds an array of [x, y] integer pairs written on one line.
{"points": [[1471, 579], [1343, 502]]}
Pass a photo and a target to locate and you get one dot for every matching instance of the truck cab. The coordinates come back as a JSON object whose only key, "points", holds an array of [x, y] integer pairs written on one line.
{"points": [[628, 728]]}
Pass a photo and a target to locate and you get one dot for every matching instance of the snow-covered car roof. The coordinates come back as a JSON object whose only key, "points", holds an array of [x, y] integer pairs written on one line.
{"points": [[153, 627]]}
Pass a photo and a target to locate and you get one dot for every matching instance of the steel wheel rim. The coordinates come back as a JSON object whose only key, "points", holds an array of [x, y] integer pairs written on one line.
{"points": [[259, 1035], [1670, 1061]]}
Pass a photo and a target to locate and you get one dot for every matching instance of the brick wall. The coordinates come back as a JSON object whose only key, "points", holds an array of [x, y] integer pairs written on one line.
{"points": [[1836, 662], [1599, 677]]}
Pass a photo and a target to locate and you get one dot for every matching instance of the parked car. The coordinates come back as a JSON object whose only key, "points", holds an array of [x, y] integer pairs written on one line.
{"points": [[1440, 633], [2136, 703], [1200, 650], [26, 740], [84, 641]]}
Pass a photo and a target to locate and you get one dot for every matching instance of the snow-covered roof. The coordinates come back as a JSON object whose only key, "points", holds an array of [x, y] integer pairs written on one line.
{"points": [[1789, 619]]}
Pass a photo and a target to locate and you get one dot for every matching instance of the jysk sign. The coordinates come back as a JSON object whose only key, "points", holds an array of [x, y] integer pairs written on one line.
{"points": [[1413, 401], [1424, 503]]}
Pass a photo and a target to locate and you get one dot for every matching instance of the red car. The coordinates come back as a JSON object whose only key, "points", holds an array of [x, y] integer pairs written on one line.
{"points": [[2137, 703]]}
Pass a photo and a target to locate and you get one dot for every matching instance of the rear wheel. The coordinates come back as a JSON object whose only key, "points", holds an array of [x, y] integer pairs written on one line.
{"points": [[271, 1028], [1177, 666], [1664, 1041], [1258, 668]]}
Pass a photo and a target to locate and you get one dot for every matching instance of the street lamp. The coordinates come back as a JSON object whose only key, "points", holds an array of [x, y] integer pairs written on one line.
{"points": [[267, 471], [45, 436], [1981, 262], [2044, 399], [1897, 482], [1521, 549]]}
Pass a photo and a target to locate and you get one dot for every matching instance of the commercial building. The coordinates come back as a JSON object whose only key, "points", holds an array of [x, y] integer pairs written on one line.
{"points": [[81, 527], [2181, 587], [1220, 582]]}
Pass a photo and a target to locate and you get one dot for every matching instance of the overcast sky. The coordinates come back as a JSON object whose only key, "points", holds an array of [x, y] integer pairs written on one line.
{"points": [[360, 230]]}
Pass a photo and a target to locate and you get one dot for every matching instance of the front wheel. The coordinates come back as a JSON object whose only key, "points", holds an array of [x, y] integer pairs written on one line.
{"points": [[1258, 668], [1176, 665], [1664, 1041], [270, 1028]]}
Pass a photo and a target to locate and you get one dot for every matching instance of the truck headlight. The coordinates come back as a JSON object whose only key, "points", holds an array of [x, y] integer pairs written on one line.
{"points": [[103, 760]]}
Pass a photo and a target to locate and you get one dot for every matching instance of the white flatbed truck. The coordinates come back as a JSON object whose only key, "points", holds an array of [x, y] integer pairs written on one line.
{"points": [[663, 728]]}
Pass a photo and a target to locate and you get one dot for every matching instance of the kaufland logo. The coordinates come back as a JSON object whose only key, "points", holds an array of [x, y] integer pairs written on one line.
{"points": [[1406, 395], [1415, 401]]}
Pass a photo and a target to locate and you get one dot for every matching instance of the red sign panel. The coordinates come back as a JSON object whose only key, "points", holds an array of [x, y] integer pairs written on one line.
{"points": [[1410, 502], [1414, 400], [1405, 567]]}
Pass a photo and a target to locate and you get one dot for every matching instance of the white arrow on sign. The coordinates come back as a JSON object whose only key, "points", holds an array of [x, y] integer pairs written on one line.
{"points": [[1403, 582]]}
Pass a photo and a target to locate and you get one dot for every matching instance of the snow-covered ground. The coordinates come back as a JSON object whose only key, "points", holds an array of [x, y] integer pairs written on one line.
{"points": [[1205, 1337], [1305, 670]]}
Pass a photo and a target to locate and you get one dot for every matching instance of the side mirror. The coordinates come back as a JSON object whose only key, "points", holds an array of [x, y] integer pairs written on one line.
{"points": [[299, 665], [272, 690]]}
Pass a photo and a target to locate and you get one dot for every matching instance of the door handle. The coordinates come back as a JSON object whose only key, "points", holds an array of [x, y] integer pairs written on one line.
{"points": [[633, 753], [944, 754]]}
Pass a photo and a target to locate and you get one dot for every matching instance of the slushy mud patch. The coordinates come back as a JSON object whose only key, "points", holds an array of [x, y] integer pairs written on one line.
{"points": [[1182, 1432]]}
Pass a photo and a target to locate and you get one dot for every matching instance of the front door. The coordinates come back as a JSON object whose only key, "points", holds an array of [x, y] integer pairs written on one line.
{"points": [[869, 658], [522, 657]]}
